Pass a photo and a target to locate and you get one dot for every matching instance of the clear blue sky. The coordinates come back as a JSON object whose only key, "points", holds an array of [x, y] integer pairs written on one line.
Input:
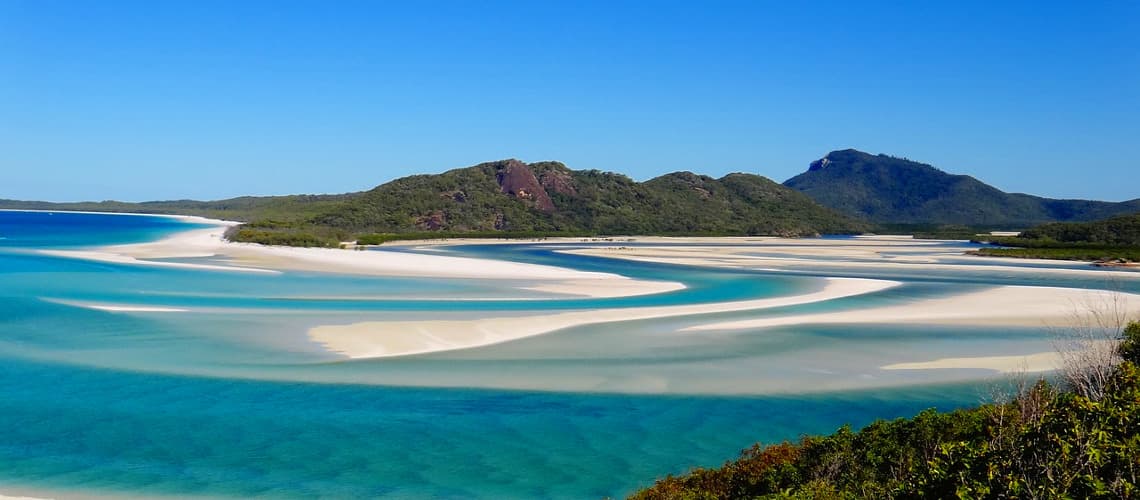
{"points": [[211, 99]]}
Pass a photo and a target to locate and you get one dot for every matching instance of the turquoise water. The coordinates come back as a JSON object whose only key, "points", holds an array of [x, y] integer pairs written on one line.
{"points": [[230, 399]]}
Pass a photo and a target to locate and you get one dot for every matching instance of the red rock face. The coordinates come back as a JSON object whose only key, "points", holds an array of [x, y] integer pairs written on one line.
{"points": [[558, 182], [517, 180]]}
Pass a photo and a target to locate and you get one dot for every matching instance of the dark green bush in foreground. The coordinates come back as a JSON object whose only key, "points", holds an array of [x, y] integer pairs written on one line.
{"points": [[1046, 443]]}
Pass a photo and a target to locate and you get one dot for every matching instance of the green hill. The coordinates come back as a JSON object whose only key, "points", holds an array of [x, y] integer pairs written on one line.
{"points": [[548, 197], [889, 190]]}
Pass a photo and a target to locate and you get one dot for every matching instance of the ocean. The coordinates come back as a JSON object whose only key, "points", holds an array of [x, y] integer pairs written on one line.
{"points": [[223, 395]]}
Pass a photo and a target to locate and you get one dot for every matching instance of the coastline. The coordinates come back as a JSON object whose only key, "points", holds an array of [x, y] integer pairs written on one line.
{"points": [[254, 258], [185, 218], [1021, 306]]}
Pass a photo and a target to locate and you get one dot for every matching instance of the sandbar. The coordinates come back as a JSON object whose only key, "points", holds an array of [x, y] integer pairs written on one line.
{"points": [[250, 257], [1003, 305], [377, 339], [1029, 363], [865, 254]]}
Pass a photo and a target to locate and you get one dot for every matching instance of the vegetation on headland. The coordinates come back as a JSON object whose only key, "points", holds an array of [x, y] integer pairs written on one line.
{"points": [[1102, 255], [1077, 440], [889, 190], [284, 209], [1115, 240]]}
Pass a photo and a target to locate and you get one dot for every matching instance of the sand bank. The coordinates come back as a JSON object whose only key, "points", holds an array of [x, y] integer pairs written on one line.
{"points": [[114, 307], [856, 254], [1030, 363], [248, 257], [376, 339], [1004, 305]]}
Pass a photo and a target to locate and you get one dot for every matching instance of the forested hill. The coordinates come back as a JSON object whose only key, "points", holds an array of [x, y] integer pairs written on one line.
{"points": [[885, 189], [548, 197], [512, 197]]}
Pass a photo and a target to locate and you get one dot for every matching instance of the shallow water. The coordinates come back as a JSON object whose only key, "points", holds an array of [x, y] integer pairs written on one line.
{"points": [[230, 399]]}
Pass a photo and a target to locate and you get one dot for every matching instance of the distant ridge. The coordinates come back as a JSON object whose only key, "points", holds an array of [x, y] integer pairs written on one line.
{"points": [[888, 190], [844, 192]]}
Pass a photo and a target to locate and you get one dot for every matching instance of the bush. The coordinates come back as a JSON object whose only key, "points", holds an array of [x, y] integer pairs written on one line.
{"points": [[1044, 444]]}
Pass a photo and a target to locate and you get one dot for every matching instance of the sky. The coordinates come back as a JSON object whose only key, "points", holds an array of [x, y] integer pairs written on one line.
{"points": [[212, 99]]}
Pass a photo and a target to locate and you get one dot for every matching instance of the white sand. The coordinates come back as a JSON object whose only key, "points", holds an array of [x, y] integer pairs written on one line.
{"points": [[1030, 363], [115, 307], [376, 339], [869, 253], [248, 257], [1004, 305]]}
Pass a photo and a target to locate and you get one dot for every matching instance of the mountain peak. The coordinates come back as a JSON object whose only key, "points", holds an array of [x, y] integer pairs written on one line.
{"points": [[841, 155], [888, 189]]}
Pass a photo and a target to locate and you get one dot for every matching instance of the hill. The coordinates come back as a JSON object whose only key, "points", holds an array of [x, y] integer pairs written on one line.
{"points": [[549, 198], [889, 190], [509, 197]]}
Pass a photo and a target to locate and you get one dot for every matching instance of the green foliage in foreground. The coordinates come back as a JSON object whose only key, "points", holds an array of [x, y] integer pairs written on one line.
{"points": [[1046, 443]]}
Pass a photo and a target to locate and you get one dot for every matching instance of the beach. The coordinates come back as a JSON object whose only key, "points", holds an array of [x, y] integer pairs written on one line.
{"points": [[865, 253], [209, 243], [402, 338], [1007, 306]]}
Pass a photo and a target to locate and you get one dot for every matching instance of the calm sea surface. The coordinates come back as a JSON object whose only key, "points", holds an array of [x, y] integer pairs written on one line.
{"points": [[230, 399]]}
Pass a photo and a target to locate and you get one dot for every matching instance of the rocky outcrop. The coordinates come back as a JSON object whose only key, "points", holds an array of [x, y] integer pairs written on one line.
{"points": [[819, 164], [432, 221], [517, 180], [558, 180]]}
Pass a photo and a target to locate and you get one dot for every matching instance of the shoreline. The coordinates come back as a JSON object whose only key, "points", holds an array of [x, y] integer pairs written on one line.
{"points": [[255, 258], [1029, 306], [185, 218]]}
